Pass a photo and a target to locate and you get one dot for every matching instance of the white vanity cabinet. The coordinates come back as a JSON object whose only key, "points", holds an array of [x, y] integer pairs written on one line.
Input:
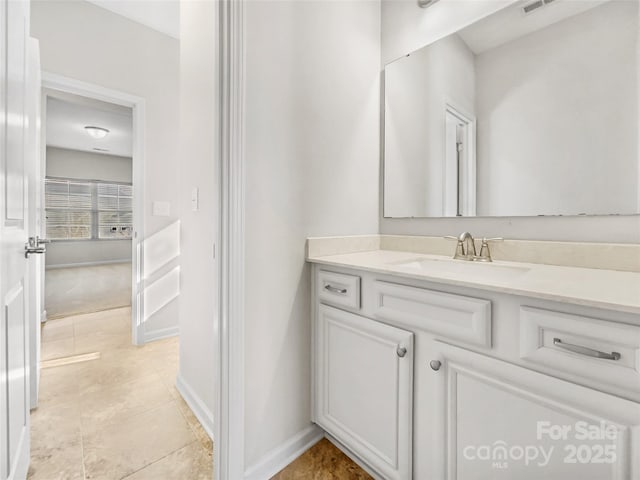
{"points": [[499, 421], [492, 385], [365, 388]]}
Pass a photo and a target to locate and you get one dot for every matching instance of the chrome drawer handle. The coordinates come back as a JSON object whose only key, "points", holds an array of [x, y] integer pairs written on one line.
{"points": [[589, 352], [401, 351], [333, 289]]}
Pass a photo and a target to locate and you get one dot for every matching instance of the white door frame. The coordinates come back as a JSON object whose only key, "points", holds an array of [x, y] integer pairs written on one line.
{"points": [[229, 366], [60, 83]]}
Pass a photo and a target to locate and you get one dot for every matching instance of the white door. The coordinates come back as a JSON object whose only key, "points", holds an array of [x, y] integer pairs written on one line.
{"points": [[35, 182], [14, 360], [364, 390], [496, 420]]}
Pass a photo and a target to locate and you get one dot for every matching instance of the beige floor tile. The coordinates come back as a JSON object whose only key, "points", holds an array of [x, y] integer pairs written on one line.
{"points": [[112, 323], [200, 433], [56, 443], [168, 377], [58, 385], [119, 402], [108, 418], [57, 349], [125, 447], [171, 343], [188, 463], [111, 370], [102, 342], [58, 329], [55, 424], [58, 461], [163, 361]]}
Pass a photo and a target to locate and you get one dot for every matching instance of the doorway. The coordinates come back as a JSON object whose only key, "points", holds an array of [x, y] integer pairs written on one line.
{"points": [[459, 193], [128, 113], [102, 388], [88, 203]]}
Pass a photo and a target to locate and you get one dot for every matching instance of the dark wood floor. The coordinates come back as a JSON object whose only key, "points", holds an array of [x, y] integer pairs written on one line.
{"points": [[323, 461]]}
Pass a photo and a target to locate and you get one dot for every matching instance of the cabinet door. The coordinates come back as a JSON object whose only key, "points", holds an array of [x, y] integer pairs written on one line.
{"points": [[498, 421], [364, 389]]}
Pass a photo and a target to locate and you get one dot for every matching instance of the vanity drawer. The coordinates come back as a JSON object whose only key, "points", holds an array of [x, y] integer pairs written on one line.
{"points": [[339, 289], [448, 316], [590, 348]]}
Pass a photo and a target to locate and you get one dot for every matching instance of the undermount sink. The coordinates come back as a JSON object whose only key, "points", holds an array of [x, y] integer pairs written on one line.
{"points": [[475, 270]]}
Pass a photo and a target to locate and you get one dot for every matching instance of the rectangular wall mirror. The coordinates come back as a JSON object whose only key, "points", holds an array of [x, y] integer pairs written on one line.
{"points": [[530, 111]]}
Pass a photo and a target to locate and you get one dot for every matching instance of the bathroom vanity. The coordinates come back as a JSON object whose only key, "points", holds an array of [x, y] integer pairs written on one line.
{"points": [[427, 367], [527, 367]]}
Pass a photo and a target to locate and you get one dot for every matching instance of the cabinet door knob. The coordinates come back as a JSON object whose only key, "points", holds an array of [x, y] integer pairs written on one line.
{"points": [[401, 351], [435, 365]]}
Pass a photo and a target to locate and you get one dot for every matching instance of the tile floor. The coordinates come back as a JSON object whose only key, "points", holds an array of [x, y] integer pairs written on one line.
{"points": [[115, 417], [323, 461], [121, 417]]}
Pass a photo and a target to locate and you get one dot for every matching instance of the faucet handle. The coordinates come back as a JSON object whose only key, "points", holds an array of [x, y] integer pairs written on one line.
{"points": [[461, 252], [485, 254]]}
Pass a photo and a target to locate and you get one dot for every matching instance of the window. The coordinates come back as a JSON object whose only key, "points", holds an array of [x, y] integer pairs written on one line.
{"points": [[115, 210], [88, 210], [68, 205]]}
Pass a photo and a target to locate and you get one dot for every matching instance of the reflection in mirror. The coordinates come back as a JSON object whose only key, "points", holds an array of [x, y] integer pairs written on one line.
{"points": [[523, 113]]}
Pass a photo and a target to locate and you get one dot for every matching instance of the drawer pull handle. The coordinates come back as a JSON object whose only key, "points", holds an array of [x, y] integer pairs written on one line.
{"points": [[435, 365], [401, 351], [333, 289], [589, 352]]}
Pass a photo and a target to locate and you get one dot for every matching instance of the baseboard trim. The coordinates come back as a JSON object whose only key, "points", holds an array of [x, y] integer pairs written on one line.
{"points": [[161, 333], [280, 457], [88, 264], [197, 406]]}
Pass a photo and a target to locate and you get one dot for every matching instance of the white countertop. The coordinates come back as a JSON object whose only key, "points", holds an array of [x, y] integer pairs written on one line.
{"points": [[608, 289]]}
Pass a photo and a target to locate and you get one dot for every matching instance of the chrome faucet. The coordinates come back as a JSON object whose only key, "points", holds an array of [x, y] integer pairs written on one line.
{"points": [[466, 248]]}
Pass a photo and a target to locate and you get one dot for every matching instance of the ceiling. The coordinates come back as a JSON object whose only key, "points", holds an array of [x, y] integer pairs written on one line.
{"points": [[511, 23], [161, 15], [67, 115]]}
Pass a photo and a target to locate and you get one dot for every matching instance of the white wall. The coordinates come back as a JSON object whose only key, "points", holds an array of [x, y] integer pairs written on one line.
{"points": [[312, 159], [62, 162], [558, 118], [198, 305], [405, 28], [90, 44], [65, 163], [418, 89], [87, 252]]}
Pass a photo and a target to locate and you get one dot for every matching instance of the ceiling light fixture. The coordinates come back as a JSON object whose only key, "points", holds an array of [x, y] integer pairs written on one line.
{"points": [[426, 3], [96, 132]]}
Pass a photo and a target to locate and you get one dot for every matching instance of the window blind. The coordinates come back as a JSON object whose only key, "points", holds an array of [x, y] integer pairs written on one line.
{"points": [[68, 207], [86, 210], [115, 210]]}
